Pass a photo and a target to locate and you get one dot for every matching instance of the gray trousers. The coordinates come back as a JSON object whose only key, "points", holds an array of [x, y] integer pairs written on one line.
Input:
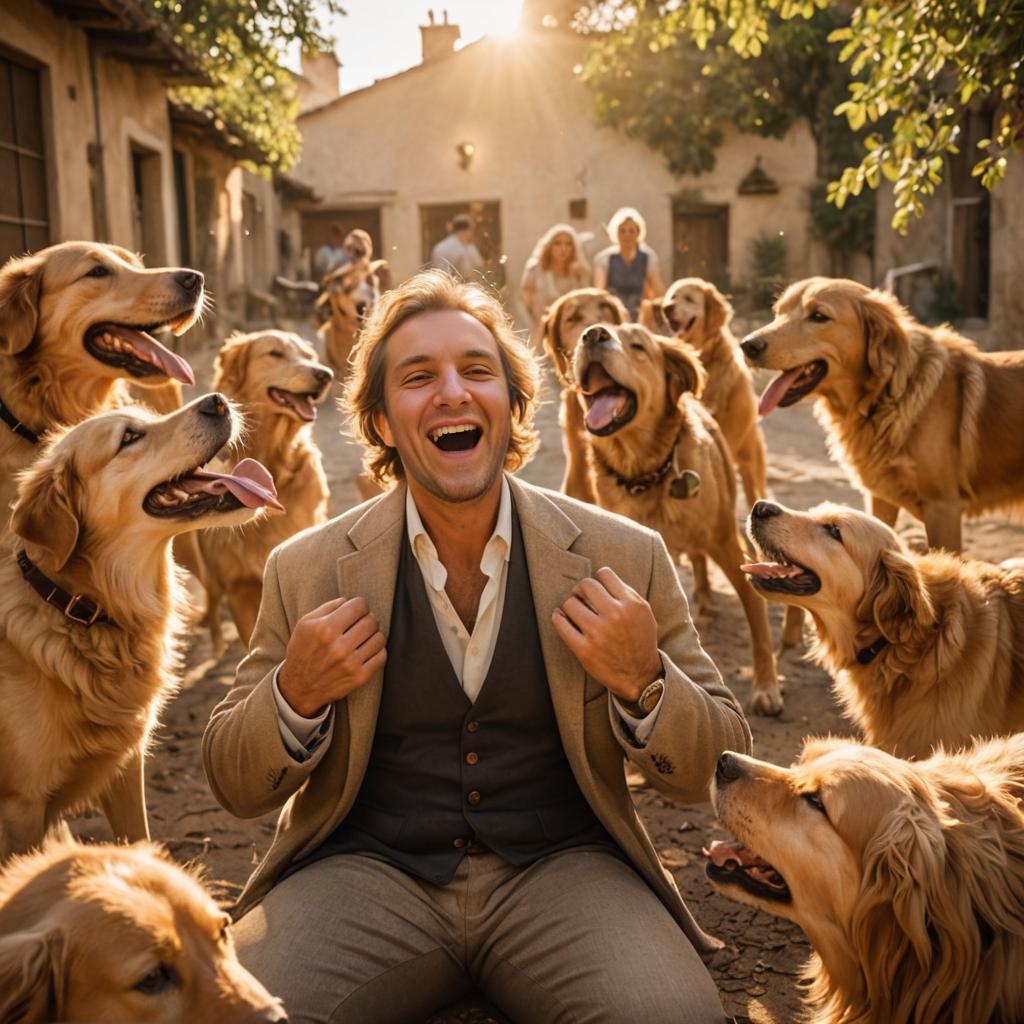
{"points": [[575, 938]]}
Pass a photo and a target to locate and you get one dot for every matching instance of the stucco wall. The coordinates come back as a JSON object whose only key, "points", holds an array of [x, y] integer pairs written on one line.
{"points": [[537, 147]]}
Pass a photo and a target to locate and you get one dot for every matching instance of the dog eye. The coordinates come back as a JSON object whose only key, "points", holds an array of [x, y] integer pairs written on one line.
{"points": [[833, 531], [814, 799], [129, 437], [638, 346], [818, 317], [276, 354], [98, 271], [160, 979]]}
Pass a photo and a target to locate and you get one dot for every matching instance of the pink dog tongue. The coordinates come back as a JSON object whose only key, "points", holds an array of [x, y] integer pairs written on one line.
{"points": [[251, 483], [604, 409], [770, 570], [173, 365], [776, 391]]}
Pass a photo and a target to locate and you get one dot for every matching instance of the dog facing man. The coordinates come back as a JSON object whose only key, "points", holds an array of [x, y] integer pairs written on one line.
{"points": [[441, 686]]}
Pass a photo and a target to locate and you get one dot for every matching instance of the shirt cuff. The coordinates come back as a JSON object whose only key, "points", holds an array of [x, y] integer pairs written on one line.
{"points": [[301, 736], [638, 729]]}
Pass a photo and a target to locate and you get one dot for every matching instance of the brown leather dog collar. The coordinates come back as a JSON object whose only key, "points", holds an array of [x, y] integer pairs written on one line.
{"points": [[76, 607], [639, 484]]}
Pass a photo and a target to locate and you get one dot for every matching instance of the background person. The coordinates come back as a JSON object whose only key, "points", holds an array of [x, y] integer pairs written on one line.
{"points": [[456, 253], [556, 266], [456, 809], [628, 268]]}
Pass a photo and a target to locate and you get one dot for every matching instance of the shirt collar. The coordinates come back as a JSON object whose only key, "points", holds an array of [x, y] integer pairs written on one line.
{"points": [[496, 551]]}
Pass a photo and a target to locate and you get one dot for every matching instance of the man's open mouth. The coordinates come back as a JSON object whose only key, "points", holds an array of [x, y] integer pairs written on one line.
{"points": [[732, 863], [136, 351], [792, 385], [299, 403], [198, 492], [610, 406], [462, 437], [780, 574]]}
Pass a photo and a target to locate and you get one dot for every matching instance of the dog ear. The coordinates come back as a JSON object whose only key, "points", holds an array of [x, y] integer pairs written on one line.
{"points": [[232, 365], [551, 336], [887, 346], [31, 975], [652, 316], [621, 313], [46, 512], [683, 369], [896, 598], [21, 281], [717, 310]]}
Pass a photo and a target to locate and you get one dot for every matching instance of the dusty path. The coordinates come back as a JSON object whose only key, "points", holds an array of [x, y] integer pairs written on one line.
{"points": [[757, 970]]}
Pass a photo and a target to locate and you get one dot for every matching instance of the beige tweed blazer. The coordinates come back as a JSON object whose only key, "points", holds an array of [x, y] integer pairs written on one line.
{"points": [[251, 772]]}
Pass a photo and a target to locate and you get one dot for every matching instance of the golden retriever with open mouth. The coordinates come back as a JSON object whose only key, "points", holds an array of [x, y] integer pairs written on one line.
{"points": [[697, 312], [74, 318], [924, 649], [564, 321], [349, 295], [906, 876], [119, 933], [278, 382], [921, 418], [659, 458], [89, 606]]}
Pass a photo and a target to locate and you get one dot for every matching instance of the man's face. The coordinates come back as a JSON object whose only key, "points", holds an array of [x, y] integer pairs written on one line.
{"points": [[446, 405], [466, 234]]}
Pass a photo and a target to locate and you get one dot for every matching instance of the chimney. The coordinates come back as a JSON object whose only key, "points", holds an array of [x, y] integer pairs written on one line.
{"points": [[319, 83], [438, 40]]}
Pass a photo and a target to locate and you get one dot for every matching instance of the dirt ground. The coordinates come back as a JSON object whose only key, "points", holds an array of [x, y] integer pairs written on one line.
{"points": [[758, 970]]}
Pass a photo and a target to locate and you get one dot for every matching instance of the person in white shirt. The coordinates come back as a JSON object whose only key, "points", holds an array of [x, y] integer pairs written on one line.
{"points": [[441, 688], [456, 252]]}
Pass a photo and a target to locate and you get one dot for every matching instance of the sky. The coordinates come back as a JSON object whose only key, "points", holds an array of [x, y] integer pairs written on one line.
{"points": [[378, 38]]}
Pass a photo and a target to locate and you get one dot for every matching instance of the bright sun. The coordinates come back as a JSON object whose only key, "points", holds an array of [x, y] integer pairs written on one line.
{"points": [[504, 18]]}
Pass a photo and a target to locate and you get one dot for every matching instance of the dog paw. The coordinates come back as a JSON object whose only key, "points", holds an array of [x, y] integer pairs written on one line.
{"points": [[766, 702]]}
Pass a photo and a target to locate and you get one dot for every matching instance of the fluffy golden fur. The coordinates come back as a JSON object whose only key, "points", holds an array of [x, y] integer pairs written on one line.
{"points": [[654, 384], [919, 416], [277, 381], [119, 933], [697, 312], [924, 649], [50, 374], [349, 295], [77, 704], [907, 877], [564, 322]]}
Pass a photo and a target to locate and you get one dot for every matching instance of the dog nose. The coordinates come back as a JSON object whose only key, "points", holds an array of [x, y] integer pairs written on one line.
{"points": [[728, 769], [215, 405], [753, 346], [323, 375], [190, 280], [596, 335], [765, 510]]}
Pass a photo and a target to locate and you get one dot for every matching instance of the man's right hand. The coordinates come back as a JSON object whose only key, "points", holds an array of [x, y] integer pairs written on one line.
{"points": [[332, 651]]}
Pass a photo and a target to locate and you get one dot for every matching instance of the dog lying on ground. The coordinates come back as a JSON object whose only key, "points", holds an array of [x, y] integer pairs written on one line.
{"points": [[349, 295], [697, 312], [659, 458], [921, 418], [907, 877], [924, 649], [89, 606], [74, 318], [564, 322], [276, 379], [115, 933]]}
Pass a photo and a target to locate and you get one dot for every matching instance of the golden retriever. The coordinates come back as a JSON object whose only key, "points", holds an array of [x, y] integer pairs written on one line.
{"points": [[697, 312], [564, 321], [278, 383], [73, 319], [924, 649], [349, 295], [920, 417], [83, 675], [659, 458], [119, 933], [906, 876]]}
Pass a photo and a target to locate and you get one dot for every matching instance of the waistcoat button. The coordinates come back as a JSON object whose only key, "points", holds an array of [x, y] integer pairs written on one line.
{"points": [[472, 758], [473, 726], [459, 843], [473, 797]]}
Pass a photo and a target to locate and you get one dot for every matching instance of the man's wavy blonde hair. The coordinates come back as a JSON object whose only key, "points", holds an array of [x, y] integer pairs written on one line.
{"points": [[433, 291]]}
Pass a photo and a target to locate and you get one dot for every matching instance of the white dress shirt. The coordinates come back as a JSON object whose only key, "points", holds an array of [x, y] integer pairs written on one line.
{"points": [[470, 653]]}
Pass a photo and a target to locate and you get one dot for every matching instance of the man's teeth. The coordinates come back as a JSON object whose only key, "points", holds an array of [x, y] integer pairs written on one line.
{"points": [[462, 428]]}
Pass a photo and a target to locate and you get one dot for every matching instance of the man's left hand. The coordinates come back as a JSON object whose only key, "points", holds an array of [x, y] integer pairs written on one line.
{"points": [[612, 631]]}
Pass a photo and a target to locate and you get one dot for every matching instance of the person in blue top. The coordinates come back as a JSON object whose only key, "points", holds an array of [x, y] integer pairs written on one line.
{"points": [[628, 268]]}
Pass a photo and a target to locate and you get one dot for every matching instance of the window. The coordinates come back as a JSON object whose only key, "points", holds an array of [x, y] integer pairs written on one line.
{"points": [[24, 213]]}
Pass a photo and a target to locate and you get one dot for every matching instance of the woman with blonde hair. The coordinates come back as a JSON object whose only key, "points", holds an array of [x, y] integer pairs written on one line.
{"points": [[556, 266], [628, 268]]}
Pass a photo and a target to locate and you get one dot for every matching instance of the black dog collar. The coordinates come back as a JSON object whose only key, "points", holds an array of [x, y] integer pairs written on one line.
{"points": [[866, 655], [76, 607], [16, 425], [639, 484]]}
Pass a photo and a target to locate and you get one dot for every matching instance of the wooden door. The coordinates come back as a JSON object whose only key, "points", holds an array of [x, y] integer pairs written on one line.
{"points": [[700, 237]]}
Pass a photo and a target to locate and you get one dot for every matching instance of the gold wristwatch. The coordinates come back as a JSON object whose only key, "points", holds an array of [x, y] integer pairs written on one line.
{"points": [[648, 700]]}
